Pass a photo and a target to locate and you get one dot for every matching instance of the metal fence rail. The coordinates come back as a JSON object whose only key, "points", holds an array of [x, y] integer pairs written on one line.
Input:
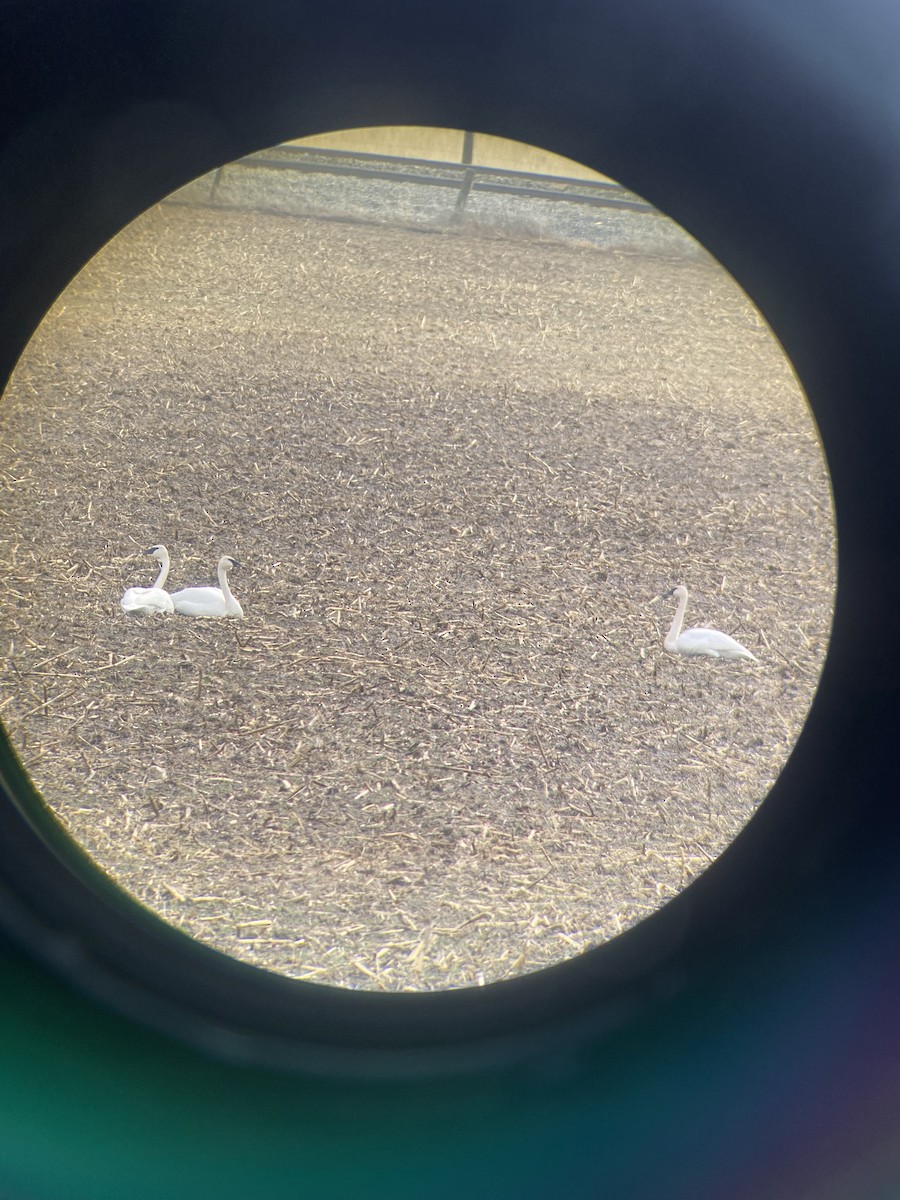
{"points": [[311, 181], [464, 177]]}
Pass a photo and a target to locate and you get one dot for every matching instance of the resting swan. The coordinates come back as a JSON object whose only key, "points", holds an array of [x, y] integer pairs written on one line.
{"points": [[708, 642], [210, 601], [152, 599]]}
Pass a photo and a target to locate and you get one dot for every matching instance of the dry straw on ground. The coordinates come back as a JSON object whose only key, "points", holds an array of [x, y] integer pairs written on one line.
{"points": [[445, 745]]}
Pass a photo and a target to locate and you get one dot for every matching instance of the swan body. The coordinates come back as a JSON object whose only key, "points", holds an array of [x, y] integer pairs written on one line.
{"points": [[210, 601], [709, 643], [152, 599]]}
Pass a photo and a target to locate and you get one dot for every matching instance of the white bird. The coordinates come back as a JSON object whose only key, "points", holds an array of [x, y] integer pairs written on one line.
{"points": [[708, 642], [152, 599], [210, 601]]}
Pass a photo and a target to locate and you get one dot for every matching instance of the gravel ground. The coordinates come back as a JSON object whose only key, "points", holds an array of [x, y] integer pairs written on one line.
{"points": [[458, 466]]}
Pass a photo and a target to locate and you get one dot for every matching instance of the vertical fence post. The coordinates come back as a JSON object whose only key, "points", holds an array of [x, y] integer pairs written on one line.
{"points": [[217, 179], [468, 176]]}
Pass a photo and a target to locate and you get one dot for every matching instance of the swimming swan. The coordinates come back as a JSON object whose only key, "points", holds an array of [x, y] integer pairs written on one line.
{"points": [[152, 599], [210, 601], [708, 642]]}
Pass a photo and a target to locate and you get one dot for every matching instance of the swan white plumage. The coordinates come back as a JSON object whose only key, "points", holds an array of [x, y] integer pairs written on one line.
{"points": [[708, 642], [210, 601], [152, 599]]}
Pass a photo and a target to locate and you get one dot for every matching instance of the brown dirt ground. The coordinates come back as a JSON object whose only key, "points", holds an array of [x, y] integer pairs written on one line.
{"points": [[445, 745]]}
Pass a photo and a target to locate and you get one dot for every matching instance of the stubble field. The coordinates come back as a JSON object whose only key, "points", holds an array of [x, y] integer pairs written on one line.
{"points": [[444, 746]]}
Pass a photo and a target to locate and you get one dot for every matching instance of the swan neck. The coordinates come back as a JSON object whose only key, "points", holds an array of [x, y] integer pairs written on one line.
{"points": [[677, 620], [163, 572], [230, 602]]}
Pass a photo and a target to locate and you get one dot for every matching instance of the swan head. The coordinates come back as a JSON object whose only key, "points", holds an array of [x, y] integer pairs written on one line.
{"points": [[226, 562], [160, 553], [679, 593]]}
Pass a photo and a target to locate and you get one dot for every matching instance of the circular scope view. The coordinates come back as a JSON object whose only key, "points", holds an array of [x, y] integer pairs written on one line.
{"points": [[418, 559]]}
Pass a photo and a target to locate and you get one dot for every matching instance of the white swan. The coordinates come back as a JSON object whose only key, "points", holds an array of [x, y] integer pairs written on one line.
{"points": [[152, 599], [708, 642], [210, 601]]}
